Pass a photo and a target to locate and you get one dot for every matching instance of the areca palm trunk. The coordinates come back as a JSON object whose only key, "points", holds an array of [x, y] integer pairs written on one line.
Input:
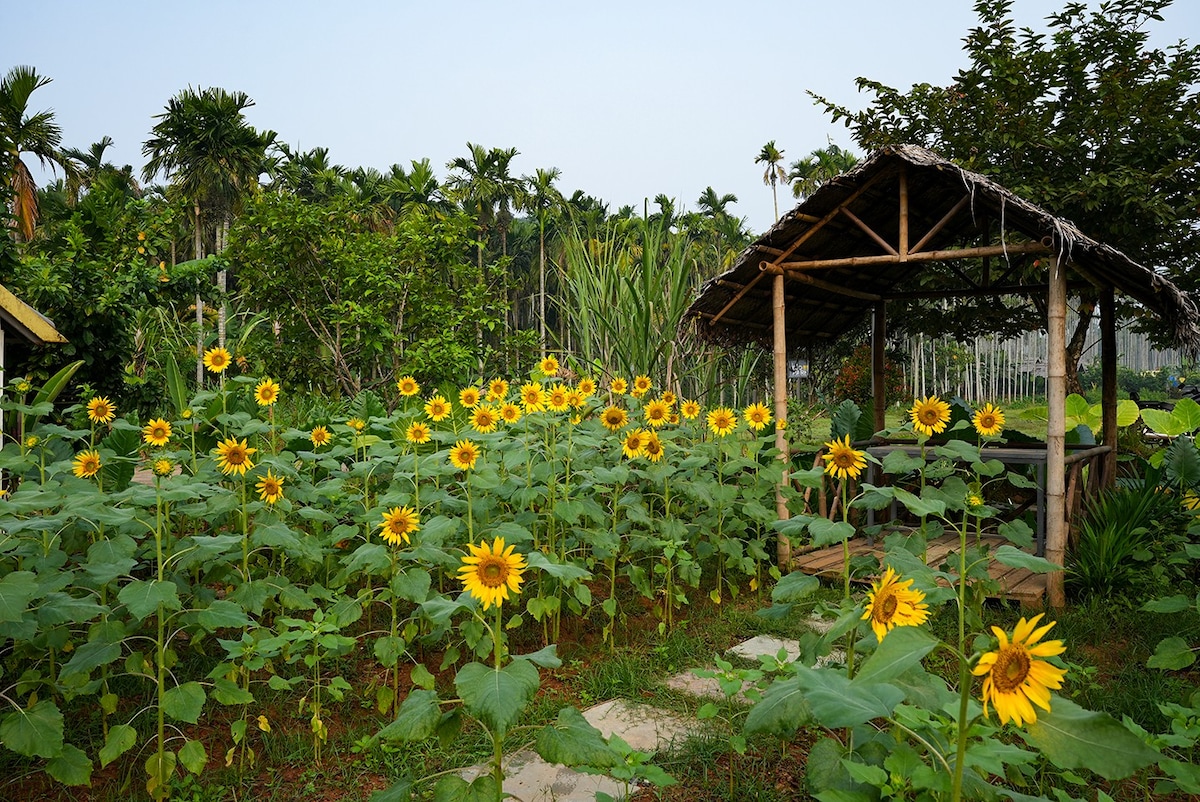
{"points": [[198, 244]]}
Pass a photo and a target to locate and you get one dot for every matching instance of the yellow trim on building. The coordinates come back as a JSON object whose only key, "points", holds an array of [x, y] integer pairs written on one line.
{"points": [[27, 320]]}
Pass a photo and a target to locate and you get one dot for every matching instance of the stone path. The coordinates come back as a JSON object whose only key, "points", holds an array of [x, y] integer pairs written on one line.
{"points": [[644, 727]]}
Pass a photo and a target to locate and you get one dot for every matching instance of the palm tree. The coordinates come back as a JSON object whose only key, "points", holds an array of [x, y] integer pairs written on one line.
{"points": [[543, 199], [416, 192], [774, 174], [726, 229], [89, 170], [213, 157], [21, 132], [507, 192], [818, 167], [475, 190]]}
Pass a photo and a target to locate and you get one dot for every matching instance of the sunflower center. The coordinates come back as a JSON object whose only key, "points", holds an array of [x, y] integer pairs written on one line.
{"points": [[1011, 668], [885, 606], [236, 456], [929, 416], [493, 572], [843, 459]]}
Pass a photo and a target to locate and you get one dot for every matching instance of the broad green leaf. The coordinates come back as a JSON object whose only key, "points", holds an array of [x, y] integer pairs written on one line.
{"points": [[1127, 412], [37, 730], [1162, 422], [1077, 406], [400, 791], [899, 461], [1172, 654], [869, 775], [566, 571], [1073, 738], [571, 740], [51, 389], [1015, 558], [71, 767], [455, 789], [121, 738], [546, 657], [1171, 604], [497, 697], [17, 589], [901, 649], [793, 587], [388, 649], [1017, 532], [228, 692], [874, 498], [222, 613], [1187, 412], [184, 702], [412, 584], [369, 558], [417, 718], [175, 385], [142, 597], [838, 702], [193, 757], [159, 772], [782, 709], [959, 450], [826, 532], [921, 507], [89, 656]]}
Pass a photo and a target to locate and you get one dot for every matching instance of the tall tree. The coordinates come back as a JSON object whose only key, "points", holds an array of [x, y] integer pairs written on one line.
{"points": [[818, 167], [90, 169], [22, 132], [1086, 120], [472, 179], [727, 230], [542, 199], [774, 174]]}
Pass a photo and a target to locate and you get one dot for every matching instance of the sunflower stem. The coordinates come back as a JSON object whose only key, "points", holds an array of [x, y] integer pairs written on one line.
{"points": [[964, 676]]}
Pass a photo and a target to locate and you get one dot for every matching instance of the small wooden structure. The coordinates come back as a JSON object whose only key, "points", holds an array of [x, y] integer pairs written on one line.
{"points": [[21, 319], [907, 224]]}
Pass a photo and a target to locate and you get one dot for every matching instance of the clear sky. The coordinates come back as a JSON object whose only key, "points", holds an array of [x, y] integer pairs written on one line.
{"points": [[627, 99]]}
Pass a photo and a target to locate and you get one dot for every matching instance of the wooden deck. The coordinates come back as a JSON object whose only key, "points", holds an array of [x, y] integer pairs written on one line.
{"points": [[1018, 584]]}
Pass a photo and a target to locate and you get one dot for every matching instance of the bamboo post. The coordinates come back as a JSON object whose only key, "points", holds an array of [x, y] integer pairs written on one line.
{"points": [[1056, 400], [1108, 382], [878, 384], [783, 548]]}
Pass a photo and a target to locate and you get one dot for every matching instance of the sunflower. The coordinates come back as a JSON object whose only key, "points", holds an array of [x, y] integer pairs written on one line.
{"points": [[266, 393], [101, 410], [163, 467], [270, 488], [234, 457], [532, 397], [892, 603], [654, 447], [510, 413], [842, 460], [930, 415], [575, 398], [484, 419], [668, 398], [757, 416], [618, 386], [641, 386], [586, 386], [157, 432], [989, 420], [657, 412], [549, 366], [497, 390], [614, 419], [1013, 678], [690, 409], [31, 441], [320, 436], [87, 464], [407, 386], [468, 396], [489, 573], [437, 408], [721, 421], [634, 444], [357, 424], [464, 454], [398, 524], [556, 398], [217, 359], [417, 432]]}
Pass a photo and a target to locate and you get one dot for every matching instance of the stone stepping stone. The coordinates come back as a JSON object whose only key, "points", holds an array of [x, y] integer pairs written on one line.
{"points": [[644, 728], [765, 645]]}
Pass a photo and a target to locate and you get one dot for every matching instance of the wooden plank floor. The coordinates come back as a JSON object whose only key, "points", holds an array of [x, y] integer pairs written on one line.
{"points": [[1018, 584]]}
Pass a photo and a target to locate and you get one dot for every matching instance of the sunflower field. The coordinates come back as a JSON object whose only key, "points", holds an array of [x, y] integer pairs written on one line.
{"points": [[165, 574]]}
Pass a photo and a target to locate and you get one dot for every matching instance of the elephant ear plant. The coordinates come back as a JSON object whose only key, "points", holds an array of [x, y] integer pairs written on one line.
{"points": [[895, 729]]}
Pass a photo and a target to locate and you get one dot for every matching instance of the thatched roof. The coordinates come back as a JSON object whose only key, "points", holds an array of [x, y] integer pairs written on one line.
{"points": [[26, 321], [857, 216]]}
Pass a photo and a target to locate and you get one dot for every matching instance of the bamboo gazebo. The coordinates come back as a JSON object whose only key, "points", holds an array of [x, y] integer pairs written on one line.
{"points": [[876, 233]]}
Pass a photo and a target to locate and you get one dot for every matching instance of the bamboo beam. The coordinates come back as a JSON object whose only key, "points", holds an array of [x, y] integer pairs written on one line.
{"points": [[735, 299], [1056, 400], [878, 383], [817, 226], [783, 547], [880, 241], [767, 267], [903, 235], [731, 321], [924, 256], [1108, 381], [940, 224]]}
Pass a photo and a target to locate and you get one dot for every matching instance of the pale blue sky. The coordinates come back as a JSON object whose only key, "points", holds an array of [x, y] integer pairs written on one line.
{"points": [[628, 99]]}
